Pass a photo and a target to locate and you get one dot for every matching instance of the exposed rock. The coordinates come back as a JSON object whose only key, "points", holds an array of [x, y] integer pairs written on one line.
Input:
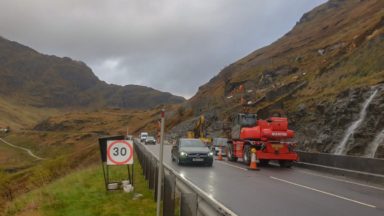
{"points": [[301, 110], [321, 51], [329, 128]]}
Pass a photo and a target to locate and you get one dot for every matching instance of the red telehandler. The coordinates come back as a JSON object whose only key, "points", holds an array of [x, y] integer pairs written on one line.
{"points": [[269, 138]]}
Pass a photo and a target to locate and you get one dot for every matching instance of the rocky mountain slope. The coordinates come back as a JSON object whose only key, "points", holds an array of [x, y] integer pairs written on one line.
{"points": [[31, 78], [320, 74]]}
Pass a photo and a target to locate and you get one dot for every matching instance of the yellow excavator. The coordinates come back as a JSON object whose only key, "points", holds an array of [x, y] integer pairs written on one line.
{"points": [[200, 131]]}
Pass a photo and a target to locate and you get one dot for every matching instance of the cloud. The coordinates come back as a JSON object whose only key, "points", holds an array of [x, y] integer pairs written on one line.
{"points": [[171, 45]]}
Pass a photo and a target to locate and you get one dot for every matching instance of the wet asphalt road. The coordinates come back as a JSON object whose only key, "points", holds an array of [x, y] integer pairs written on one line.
{"points": [[279, 191]]}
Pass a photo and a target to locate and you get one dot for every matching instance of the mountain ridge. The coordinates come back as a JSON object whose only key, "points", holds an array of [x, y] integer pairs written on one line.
{"points": [[50, 81]]}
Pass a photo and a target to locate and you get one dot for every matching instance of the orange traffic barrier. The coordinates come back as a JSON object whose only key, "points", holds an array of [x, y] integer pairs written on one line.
{"points": [[253, 165], [220, 157]]}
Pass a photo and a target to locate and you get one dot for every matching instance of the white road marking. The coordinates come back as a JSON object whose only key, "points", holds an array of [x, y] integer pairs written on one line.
{"points": [[225, 163], [342, 180], [323, 192], [22, 148]]}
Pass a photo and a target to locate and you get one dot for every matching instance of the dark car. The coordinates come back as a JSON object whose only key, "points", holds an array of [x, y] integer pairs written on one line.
{"points": [[150, 140], [191, 151]]}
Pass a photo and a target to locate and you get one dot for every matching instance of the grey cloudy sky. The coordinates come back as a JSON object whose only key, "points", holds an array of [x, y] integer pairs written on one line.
{"points": [[170, 45]]}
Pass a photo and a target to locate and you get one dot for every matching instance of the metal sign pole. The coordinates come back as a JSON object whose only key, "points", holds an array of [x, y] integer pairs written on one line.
{"points": [[105, 177], [133, 174], [160, 176]]}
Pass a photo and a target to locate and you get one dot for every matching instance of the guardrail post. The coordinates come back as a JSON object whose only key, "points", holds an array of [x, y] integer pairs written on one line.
{"points": [[151, 179], [148, 165], [141, 158], [169, 195], [188, 204], [144, 164], [139, 153], [156, 180]]}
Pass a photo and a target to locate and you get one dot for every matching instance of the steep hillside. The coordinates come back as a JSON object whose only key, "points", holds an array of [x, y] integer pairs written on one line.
{"points": [[83, 193], [103, 122], [69, 143], [38, 80], [19, 116], [320, 74]]}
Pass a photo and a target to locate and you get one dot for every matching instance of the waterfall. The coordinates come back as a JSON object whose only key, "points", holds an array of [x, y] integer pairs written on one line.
{"points": [[340, 148], [374, 145]]}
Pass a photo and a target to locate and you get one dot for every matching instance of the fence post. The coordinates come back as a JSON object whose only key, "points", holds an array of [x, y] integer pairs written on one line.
{"points": [[156, 180], [147, 167], [169, 195], [151, 175], [144, 164], [188, 204]]}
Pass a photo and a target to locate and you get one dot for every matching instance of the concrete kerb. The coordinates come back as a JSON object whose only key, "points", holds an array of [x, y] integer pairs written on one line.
{"points": [[367, 177], [349, 162], [360, 168]]}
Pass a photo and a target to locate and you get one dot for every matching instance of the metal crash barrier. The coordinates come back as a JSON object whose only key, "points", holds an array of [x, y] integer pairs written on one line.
{"points": [[178, 193]]}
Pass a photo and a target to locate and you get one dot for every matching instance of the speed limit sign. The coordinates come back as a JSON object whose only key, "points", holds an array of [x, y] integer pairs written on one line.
{"points": [[119, 152]]}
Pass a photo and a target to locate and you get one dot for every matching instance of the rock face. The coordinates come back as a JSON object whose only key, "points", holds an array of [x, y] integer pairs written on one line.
{"points": [[319, 74], [331, 120], [49, 81]]}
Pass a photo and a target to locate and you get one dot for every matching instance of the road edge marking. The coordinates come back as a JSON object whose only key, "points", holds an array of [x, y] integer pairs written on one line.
{"points": [[323, 192], [231, 165]]}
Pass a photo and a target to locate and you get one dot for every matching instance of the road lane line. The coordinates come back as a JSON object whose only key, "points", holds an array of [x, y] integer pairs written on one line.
{"points": [[323, 192], [225, 163], [342, 180]]}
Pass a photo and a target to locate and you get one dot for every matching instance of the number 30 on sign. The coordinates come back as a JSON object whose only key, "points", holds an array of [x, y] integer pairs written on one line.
{"points": [[119, 152]]}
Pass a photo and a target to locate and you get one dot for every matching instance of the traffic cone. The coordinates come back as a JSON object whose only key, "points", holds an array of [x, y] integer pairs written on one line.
{"points": [[253, 165], [220, 157]]}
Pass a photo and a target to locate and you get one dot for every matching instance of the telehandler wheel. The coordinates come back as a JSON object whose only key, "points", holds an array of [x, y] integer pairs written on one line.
{"points": [[247, 155], [285, 163], [230, 155], [264, 162]]}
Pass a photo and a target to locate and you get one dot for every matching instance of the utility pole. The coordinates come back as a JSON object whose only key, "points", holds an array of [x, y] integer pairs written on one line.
{"points": [[160, 177]]}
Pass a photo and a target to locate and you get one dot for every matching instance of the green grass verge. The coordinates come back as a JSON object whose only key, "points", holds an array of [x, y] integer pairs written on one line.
{"points": [[83, 193]]}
